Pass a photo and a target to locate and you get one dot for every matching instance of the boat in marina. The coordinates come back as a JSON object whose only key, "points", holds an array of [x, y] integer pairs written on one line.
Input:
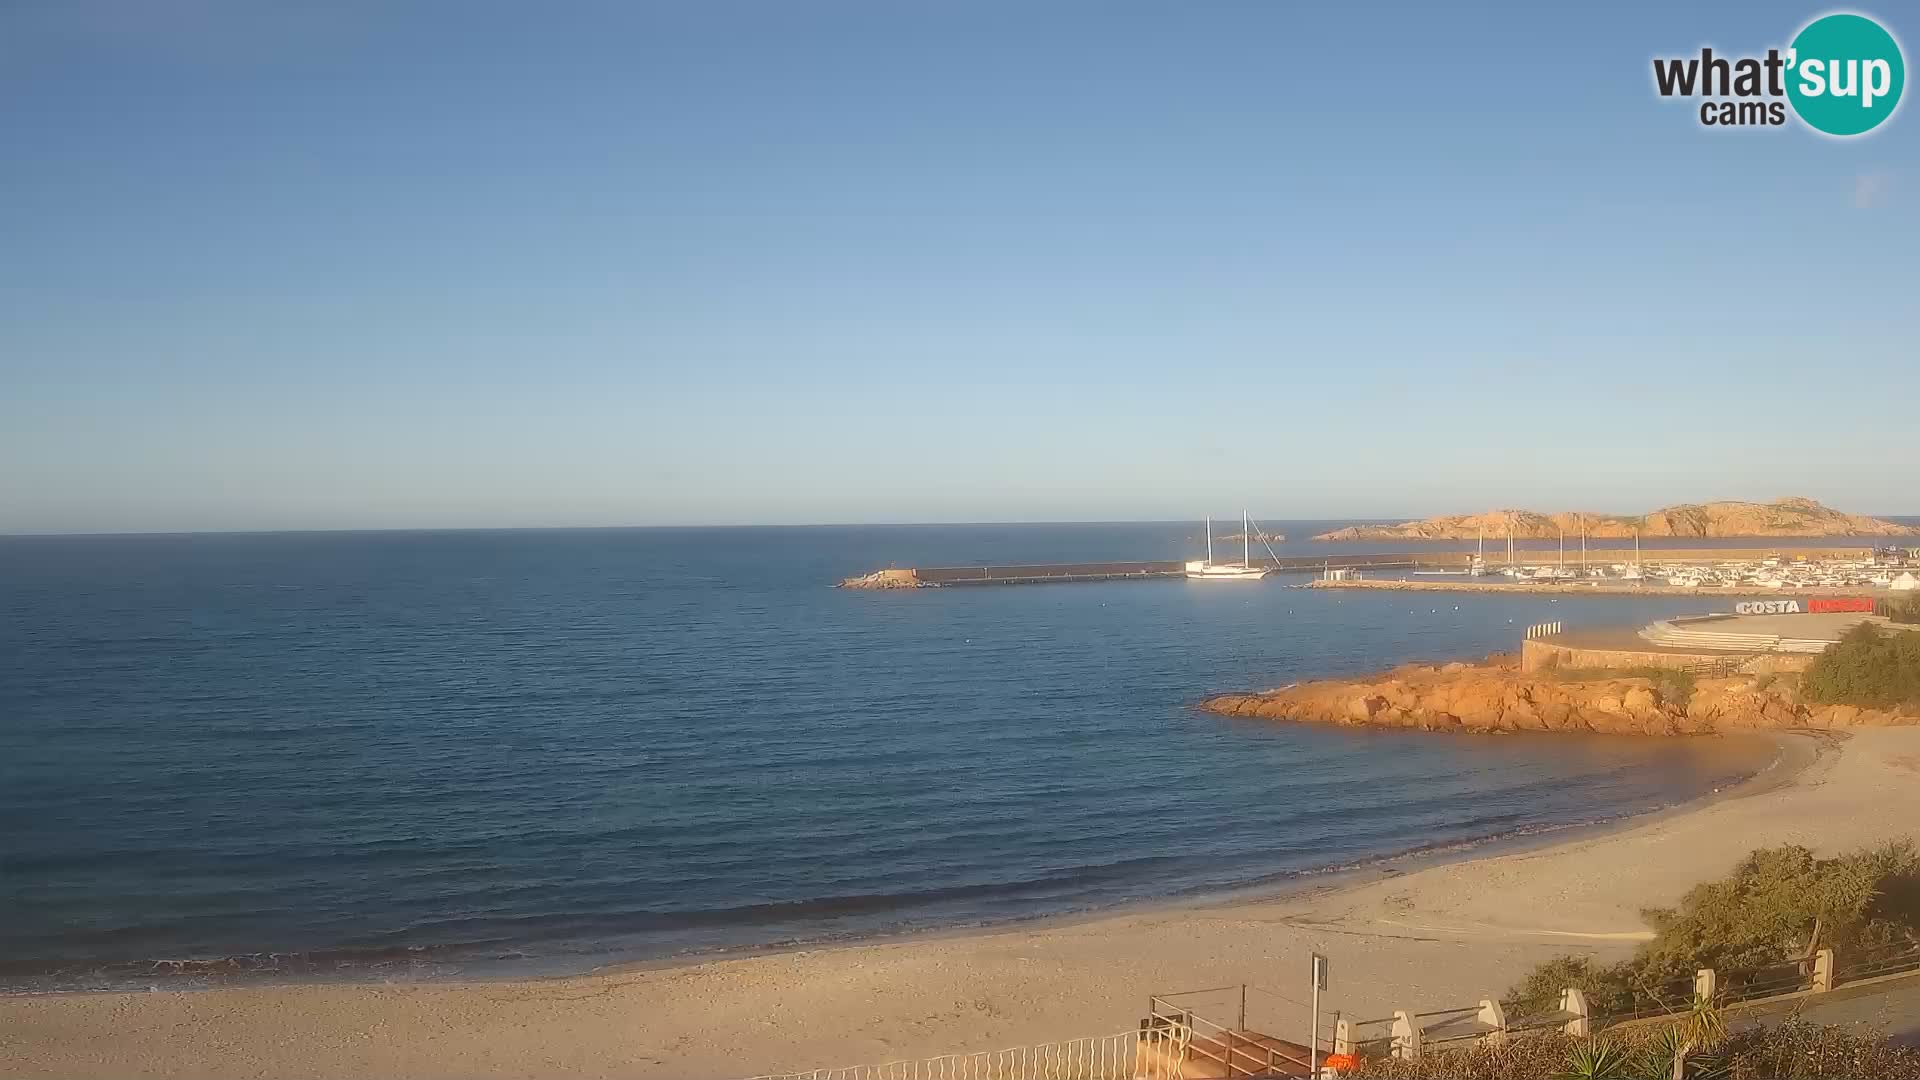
{"points": [[1208, 570]]}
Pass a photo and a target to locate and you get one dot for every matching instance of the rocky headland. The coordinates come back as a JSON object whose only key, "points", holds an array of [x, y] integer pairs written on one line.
{"points": [[1497, 697], [1782, 517]]}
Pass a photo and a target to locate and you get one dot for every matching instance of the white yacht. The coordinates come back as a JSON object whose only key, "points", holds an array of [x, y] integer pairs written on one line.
{"points": [[1208, 570]]}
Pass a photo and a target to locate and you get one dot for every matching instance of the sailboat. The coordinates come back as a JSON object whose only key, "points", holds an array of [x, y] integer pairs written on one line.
{"points": [[1208, 570], [1632, 573]]}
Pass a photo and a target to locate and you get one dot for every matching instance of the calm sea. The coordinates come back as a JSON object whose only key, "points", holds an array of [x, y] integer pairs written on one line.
{"points": [[430, 753]]}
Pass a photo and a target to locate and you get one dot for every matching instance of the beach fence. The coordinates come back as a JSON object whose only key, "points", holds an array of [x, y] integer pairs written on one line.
{"points": [[1224, 1033], [1545, 629], [1408, 1034], [1101, 1057]]}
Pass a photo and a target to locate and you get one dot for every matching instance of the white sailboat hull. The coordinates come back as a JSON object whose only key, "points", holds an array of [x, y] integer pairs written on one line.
{"points": [[1207, 570], [1226, 573]]}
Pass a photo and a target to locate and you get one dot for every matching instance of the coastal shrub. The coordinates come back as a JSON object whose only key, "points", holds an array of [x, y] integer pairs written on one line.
{"points": [[1868, 667], [1673, 684], [1794, 1050], [1906, 610], [1802, 1051], [1777, 907], [1528, 1058]]}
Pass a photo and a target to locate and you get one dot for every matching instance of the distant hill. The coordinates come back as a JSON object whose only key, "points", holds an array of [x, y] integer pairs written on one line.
{"points": [[1782, 517]]}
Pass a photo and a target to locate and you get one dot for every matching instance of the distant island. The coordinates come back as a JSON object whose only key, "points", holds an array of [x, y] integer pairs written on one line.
{"points": [[1782, 517]]}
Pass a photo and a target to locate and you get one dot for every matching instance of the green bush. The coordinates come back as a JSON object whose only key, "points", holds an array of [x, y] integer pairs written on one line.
{"points": [[1777, 906], [1868, 667], [1905, 610], [1790, 1051]]}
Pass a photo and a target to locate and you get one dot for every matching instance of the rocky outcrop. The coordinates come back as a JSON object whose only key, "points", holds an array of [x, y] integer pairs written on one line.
{"points": [[1258, 537], [1782, 517], [1498, 697], [884, 579]]}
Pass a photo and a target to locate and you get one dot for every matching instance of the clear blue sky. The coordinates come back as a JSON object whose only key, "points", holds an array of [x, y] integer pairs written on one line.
{"points": [[403, 264]]}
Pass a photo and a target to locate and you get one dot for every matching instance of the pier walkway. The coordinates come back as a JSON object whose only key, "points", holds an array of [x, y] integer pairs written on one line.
{"points": [[1113, 571]]}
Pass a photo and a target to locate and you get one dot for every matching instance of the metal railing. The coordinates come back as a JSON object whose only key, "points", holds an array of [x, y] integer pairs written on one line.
{"points": [[1236, 1051], [1893, 959], [1405, 1034], [1175, 1036]]}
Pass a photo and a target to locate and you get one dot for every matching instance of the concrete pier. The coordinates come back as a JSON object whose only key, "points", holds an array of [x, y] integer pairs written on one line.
{"points": [[1036, 573]]}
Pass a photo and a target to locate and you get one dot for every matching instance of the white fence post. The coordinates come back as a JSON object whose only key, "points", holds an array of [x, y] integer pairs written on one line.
{"points": [[1706, 984], [1573, 1001], [1406, 1036], [1823, 971], [1343, 1036], [1495, 1017]]}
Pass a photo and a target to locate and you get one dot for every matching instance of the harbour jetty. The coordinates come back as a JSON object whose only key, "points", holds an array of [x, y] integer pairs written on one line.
{"points": [[1040, 573], [1449, 570]]}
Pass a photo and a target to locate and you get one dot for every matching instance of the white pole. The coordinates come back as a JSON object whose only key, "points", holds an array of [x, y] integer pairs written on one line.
{"points": [[1209, 539], [1313, 1041], [1313, 1047], [1246, 539]]}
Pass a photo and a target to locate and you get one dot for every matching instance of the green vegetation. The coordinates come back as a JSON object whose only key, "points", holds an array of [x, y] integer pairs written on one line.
{"points": [[1790, 1051], [1905, 610], [1778, 907], [1672, 684], [1868, 667]]}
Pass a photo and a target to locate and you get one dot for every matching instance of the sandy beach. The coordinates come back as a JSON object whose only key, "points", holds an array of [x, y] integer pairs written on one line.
{"points": [[1438, 933]]}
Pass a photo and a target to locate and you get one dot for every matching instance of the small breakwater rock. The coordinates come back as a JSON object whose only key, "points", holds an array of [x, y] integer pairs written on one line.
{"points": [[884, 579]]}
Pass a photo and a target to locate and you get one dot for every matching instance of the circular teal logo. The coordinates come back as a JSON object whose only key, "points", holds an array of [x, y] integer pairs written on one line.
{"points": [[1845, 74]]}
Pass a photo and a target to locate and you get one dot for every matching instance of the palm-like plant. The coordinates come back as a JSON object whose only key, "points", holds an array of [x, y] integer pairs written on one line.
{"points": [[1673, 1053], [1704, 1023], [1598, 1059]]}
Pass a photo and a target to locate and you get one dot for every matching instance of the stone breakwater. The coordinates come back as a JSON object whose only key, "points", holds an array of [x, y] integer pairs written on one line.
{"points": [[1497, 697], [884, 579]]}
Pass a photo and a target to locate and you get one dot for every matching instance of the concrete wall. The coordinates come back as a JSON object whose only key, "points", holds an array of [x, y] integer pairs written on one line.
{"points": [[1546, 652]]}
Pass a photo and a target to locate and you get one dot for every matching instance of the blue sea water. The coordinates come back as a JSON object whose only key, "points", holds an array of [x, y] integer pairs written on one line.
{"points": [[431, 753]]}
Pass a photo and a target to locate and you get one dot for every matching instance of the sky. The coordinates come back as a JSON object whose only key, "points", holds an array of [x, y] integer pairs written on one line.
{"points": [[372, 265]]}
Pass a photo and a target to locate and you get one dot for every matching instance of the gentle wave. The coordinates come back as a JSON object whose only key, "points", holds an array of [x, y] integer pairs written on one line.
{"points": [[402, 755]]}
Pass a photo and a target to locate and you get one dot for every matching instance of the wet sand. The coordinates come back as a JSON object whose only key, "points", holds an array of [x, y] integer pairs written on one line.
{"points": [[1437, 933]]}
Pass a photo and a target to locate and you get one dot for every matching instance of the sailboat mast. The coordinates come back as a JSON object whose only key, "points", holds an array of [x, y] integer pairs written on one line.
{"points": [[1246, 538], [1563, 551], [1209, 539]]}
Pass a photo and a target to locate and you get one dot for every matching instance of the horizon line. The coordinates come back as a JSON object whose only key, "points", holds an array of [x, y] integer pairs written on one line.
{"points": [[689, 526]]}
